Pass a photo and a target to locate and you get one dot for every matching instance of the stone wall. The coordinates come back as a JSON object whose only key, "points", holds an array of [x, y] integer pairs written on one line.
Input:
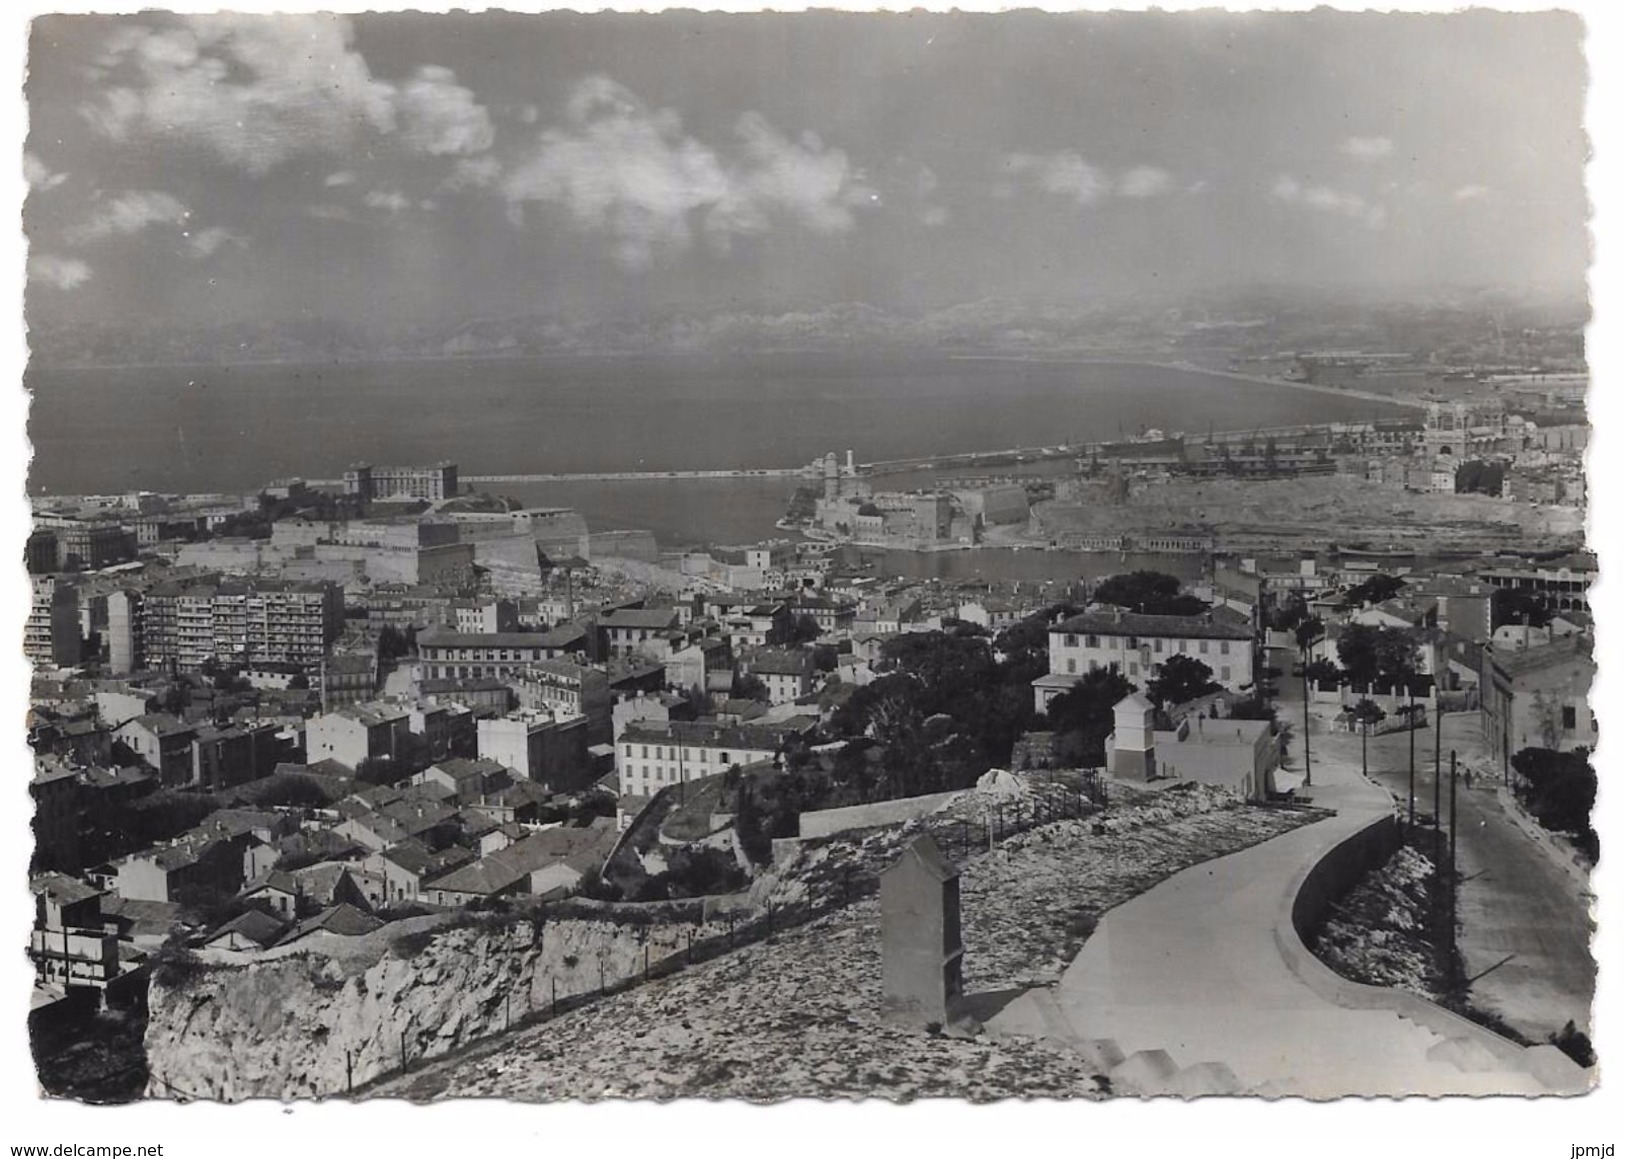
{"points": [[1340, 870], [826, 822]]}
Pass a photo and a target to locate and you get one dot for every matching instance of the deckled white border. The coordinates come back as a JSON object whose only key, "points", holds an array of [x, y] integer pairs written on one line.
{"points": [[1479, 1128]]}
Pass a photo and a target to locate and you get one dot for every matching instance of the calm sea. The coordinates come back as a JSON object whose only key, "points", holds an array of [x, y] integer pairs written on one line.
{"points": [[234, 428]]}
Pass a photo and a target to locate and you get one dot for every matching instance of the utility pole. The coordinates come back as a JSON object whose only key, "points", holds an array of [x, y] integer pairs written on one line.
{"points": [[1438, 749], [1452, 818], [1410, 719], [1306, 774], [1452, 881]]}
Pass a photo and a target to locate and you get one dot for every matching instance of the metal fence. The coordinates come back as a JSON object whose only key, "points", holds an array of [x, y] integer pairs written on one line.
{"points": [[1072, 796]]}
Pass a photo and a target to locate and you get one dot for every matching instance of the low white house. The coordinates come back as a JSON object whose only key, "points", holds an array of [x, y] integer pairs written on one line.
{"points": [[1240, 755]]}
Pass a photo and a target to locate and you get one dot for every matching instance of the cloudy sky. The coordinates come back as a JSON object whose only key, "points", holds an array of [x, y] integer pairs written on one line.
{"points": [[388, 169]]}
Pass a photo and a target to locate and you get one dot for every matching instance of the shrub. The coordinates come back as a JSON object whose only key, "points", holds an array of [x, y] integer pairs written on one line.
{"points": [[408, 946], [695, 871], [1574, 1043], [600, 888], [175, 965]]}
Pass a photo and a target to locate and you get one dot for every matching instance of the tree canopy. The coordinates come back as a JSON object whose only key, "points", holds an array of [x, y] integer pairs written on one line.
{"points": [[393, 643], [1180, 678], [801, 629], [1151, 592], [945, 710], [1322, 673], [1480, 477], [1510, 606], [1559, 789], [1084, 712], [1366, 713], [1375, 590], [1372, 655]]}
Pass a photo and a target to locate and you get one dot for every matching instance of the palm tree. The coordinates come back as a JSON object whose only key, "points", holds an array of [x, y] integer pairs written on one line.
{"points": [[1365, 714]]}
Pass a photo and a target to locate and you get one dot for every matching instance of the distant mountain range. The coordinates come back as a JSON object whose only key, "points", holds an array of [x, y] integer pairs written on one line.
{"points": [[1286, 319]]}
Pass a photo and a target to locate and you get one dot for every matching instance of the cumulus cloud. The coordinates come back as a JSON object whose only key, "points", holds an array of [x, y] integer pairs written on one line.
{"points": [[1145, 181], [129, 213], [1471, 193], [630, 172], [1325, 199], [205, 242], [441, 117], [1065, 174], [254, 90], [799, 179], [59, 273], [341, 178], [39, 175], [473, 173], [258, 90], [1366, 148], [389, 200]]}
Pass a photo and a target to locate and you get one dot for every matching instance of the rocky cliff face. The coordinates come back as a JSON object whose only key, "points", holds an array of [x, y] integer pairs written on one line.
{"points": [[316, 1023], [321, 1019]]}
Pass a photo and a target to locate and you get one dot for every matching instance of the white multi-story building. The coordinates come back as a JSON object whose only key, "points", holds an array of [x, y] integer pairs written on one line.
{"points": [[486, 616], [238, 622], [51, 638], [652, 754], [432, 483], [477, 655], [545, 747], [1137, 645]]}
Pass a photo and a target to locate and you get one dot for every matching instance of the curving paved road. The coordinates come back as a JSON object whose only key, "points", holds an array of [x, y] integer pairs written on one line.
{"points": [[1516, 900], [1193, 967]]}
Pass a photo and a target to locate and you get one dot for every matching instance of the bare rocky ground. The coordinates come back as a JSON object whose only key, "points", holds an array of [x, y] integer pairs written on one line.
{"points": [[799, 1016], [1382, 933], [1300, 509]]}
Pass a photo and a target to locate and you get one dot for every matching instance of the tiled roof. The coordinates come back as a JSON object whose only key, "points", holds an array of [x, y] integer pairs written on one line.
{"points": [[711, 734], [780, 663], [502, 869], [652, 618], [343, 919], [1215, 627], [160, 724], [557, 638], [257, 926], [462, 769], [279, 880], [62, 889]]}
